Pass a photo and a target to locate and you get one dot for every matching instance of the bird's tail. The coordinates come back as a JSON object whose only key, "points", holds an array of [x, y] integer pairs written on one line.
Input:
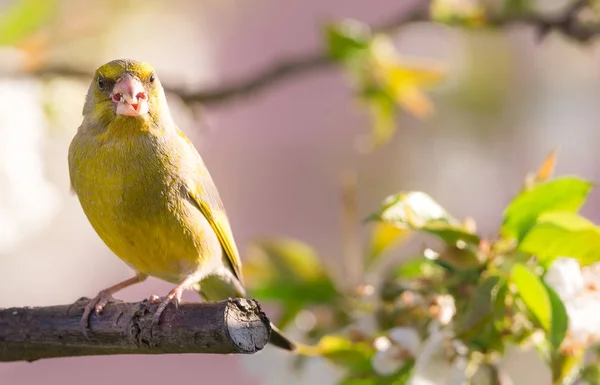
{"points": [[281, 341], [216, 288]]}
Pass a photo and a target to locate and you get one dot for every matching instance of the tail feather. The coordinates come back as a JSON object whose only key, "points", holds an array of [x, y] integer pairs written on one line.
{"points": [[281, 341]]}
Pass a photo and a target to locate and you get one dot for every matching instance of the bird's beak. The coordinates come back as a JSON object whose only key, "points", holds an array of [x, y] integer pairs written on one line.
{"points": [[130, 96]]}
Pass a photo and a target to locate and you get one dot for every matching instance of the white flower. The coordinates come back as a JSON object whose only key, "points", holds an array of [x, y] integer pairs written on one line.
{"points": [[584, 318], [591, 277], [579, 290], [414, 208], [444, 309], [408, 338], [433, 366], [387, 362], [565, 277], [393, 351]]}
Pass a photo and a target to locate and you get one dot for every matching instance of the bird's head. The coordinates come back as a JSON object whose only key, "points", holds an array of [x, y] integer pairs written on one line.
{"points": [[124, 88]]}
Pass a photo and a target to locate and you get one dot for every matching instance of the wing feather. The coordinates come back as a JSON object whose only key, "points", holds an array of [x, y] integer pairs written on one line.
{"points": [[203, 193]]}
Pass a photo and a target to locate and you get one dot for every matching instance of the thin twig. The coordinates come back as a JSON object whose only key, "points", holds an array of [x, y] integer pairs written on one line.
{"points": [[231, 326], [353, 260], [498, 376], [565, 22]]}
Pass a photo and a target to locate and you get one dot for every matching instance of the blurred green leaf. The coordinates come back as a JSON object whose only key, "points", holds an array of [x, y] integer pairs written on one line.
{"points": [[479, 305], [347, 40], [418, 267], [534, 294], [561, 194], [517, 6], [383, 112], [565, 367], [500, 307], [341, 351], [475, 322], [289, 272], [499, 299], [402, 376], [590, 374], [560, 319], [23, 17], [370, 378], [403, 80], [359, 381], [563, 234], [384, 236], [463, 12], [418, 211], [381, 76]]}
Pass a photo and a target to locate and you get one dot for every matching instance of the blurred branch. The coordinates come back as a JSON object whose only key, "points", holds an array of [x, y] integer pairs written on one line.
{"points": [[231, 326], [353, 258], [565, 22], [497, 375], [284, 69]]}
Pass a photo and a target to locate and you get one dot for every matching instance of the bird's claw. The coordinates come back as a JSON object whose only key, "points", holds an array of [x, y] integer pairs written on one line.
{"points": [[173, 297], [97, 305], [154, 299]]}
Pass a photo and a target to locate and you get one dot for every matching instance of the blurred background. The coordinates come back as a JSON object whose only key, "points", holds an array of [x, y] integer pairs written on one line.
{"points": [[277, 155]]}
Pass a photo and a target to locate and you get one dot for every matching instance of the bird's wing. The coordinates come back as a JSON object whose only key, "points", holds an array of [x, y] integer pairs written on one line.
{"points": [[204, 195]]}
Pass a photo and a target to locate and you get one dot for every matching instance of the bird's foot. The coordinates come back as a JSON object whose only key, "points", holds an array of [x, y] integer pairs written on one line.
{"points": [[174, 297], [154, 299], [95, 305]]}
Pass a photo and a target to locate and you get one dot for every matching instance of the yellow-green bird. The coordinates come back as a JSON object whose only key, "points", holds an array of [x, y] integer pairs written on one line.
{"points": [[147, 193]]}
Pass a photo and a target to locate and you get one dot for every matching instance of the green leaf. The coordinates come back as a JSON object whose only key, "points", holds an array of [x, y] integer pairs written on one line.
{"points": [[24, 17], [563, 234], [534, 294], [341, 351], [475, 324], [566, 367], [561, 194], [502, 319], [480, 305], [347, 40], [560, 319], [463, 13], [401, 377], [418, 211], [401, 79], [418, 267], [517, 6], [590, 374], [384, 236], [383, 112], [289, 272], [359, 381]]}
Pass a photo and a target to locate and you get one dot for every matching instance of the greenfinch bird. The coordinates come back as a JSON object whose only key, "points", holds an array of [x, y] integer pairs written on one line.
{"points": [[147, 193]]}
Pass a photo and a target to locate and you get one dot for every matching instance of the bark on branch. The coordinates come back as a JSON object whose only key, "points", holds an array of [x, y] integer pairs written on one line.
{"points": [[231, 326]]}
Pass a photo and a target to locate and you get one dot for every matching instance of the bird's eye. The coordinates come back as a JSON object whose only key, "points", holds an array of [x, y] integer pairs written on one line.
{"points": [[152, 78], [100, 82]]}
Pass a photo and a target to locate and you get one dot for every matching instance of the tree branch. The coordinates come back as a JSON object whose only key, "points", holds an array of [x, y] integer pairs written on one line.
{"points": [[284, 69], [231, 326], [565, 22], [498, 376]]}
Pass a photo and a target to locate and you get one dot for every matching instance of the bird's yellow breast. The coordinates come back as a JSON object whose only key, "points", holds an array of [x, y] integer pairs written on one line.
{"points": [[130, 190]]}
